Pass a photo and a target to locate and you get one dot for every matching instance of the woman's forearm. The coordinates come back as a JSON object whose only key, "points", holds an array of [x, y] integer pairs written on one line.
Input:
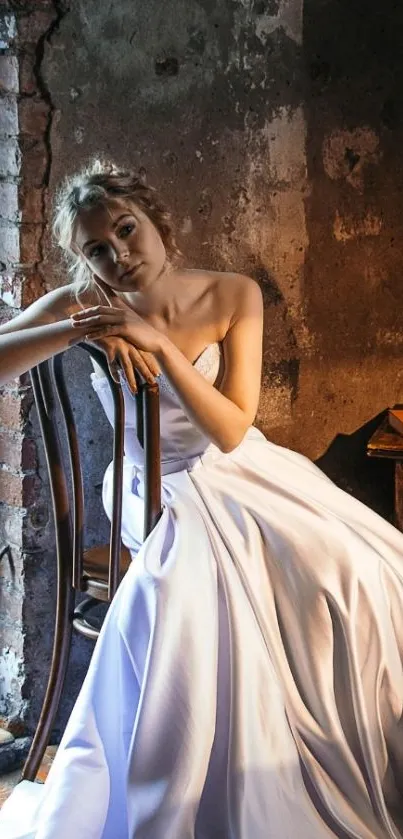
{"points": [[24, 348], [216, 415]]}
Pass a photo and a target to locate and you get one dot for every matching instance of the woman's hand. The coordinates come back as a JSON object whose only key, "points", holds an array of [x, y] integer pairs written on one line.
{"points": [[123, 356], [107, 321]]}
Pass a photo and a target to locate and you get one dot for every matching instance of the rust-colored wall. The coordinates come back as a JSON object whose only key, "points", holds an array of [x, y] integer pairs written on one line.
{"points": [[353, 290], [274, 130]]}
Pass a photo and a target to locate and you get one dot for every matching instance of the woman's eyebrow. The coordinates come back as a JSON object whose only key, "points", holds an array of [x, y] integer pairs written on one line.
{"points": [[114, 225]]}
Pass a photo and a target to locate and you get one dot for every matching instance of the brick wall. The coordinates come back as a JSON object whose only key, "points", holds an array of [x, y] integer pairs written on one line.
{"points": [[287, 165], [26, 117]]}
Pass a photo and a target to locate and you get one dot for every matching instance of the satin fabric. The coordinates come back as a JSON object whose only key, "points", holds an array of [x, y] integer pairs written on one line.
{"points": [[248, 681]]}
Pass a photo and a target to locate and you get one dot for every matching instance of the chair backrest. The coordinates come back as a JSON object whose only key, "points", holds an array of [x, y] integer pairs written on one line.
{"points": [[47, 381]]}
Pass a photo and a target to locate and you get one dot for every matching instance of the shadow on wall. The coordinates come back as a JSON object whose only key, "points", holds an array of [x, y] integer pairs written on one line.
{"points": [[368, 479], [281, 363]]}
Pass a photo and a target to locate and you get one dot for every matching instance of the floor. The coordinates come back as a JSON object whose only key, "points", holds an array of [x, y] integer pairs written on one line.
{"points": [[7, 782]]}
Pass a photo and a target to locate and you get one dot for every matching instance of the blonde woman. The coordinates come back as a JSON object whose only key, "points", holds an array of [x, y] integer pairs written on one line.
{"points": [[248, 681]]}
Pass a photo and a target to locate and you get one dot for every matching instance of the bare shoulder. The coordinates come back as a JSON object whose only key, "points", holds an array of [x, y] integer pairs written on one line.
{"points": [[232, 286], [237, 294]]}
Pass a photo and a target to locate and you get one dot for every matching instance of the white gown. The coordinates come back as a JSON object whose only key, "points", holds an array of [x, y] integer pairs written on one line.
{"points": [[247, 682]]}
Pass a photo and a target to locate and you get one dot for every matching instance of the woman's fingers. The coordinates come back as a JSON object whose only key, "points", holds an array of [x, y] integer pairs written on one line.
{"points": [[98, 331], [151, 362], [95, 321], [124, 357], [144, 362], [141, 365], [128, 359], [126, 365], [114, 369], [112, 357], [94, 311]]}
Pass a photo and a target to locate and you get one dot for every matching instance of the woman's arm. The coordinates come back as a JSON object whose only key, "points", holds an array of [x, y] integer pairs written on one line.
{"points": [[45, 328], [39, 332], [224, 415], [23, 349]]}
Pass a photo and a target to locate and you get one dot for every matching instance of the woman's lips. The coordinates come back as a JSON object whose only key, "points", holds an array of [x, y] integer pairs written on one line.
{"points": [[131, 271]]}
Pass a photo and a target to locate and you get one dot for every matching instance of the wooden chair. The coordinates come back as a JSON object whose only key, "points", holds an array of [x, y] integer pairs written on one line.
{"points": [[97, 571]]}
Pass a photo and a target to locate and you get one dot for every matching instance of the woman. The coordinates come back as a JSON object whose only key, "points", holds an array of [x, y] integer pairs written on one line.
{"points": [[254, 647]]}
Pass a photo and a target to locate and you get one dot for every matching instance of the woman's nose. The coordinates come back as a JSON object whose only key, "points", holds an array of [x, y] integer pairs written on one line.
{"points": [[120, 255]]}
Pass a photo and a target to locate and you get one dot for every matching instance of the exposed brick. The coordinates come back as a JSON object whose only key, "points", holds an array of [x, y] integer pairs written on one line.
{"points": [[34, 161], [10, 449], [27, 78], [29, 458], [11, 522], [27, 399], [30, 239], [17, 490], [10, 411], [15, 406], [32, 288], [30, 203], [32, 26], [33, 116], [9, 73], [8, 116], [11, 491], [9, 201], [9, 158], [31, 486], [9, 243]]}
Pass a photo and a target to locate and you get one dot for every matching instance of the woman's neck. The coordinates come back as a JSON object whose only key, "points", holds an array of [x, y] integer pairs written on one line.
{"points": [[165, 299]]}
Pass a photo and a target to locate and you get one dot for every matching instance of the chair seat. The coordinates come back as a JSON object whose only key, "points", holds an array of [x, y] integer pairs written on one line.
{"points": [[96, 565]]}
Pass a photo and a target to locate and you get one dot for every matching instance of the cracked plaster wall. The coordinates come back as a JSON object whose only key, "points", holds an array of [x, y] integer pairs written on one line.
{"points": [[274, 130]]}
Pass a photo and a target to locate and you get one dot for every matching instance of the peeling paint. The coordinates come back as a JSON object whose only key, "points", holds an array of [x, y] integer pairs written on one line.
{"points": [[346, 154], [186, 226], [12, 670], [79, 134], [389, 338], [271, 222], [290, 17], [286, 138], [8, 30], [346, 229]]}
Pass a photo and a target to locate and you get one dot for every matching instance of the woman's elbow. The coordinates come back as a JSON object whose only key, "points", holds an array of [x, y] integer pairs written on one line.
{"points": [[232, 439]]}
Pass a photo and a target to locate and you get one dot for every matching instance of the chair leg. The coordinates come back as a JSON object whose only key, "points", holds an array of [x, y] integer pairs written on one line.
{"points": [[58, 669]]}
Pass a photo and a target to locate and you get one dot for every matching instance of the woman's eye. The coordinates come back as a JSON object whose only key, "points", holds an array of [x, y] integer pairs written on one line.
{"points": [[96, 251], [126, 230]]}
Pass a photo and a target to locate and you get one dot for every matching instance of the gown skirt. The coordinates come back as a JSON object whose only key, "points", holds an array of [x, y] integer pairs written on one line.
{"points": [[247, 682]]}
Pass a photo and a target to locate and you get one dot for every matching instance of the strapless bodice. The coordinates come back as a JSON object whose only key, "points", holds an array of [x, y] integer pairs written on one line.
{"points": [[180, 439]]}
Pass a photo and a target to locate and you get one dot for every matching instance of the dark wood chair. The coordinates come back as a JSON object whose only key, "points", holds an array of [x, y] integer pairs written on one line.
{"points": [[95, 572]]}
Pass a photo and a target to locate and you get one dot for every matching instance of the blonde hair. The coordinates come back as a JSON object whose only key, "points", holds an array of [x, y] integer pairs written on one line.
{"points": [[93, 186]]}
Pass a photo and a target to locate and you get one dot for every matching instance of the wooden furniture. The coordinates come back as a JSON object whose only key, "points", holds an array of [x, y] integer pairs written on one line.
{"points": [[98, 571], [386, 442]]}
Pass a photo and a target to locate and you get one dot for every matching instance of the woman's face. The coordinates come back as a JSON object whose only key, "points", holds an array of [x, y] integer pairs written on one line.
{"points": [[120, 245]]}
